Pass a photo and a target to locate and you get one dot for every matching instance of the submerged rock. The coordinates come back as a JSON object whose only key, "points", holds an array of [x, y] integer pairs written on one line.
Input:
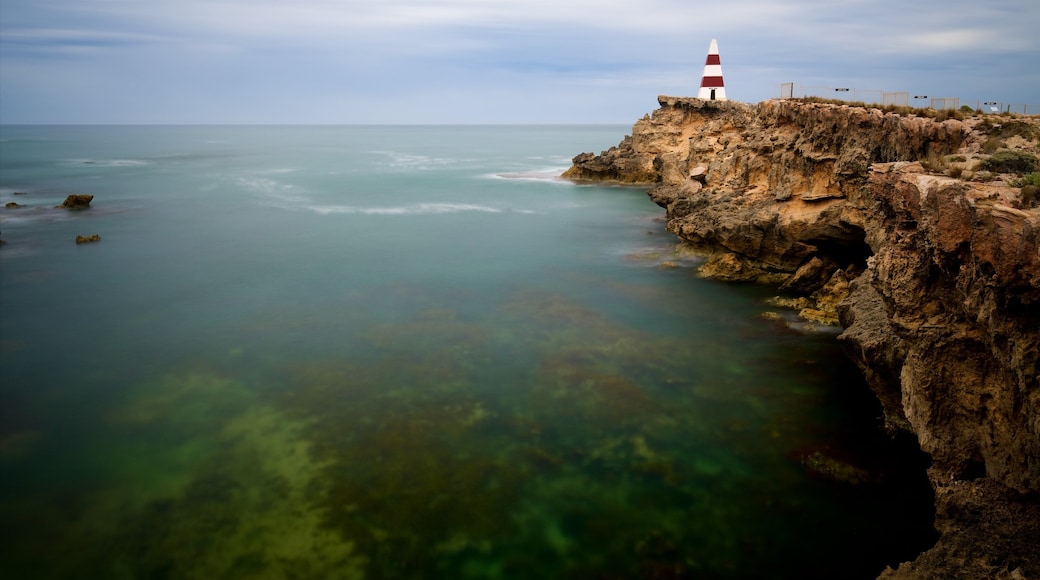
{"points": [[830, 467]]}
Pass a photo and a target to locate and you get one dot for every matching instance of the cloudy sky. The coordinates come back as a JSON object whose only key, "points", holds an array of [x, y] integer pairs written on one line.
{"points": [[488, 61]]}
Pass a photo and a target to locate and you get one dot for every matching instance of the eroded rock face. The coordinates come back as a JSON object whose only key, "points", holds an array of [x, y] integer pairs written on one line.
{"points": [[958, 274], [721, 167], [936, 281]]}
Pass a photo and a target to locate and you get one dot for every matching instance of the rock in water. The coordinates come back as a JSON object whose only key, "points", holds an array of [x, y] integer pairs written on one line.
{"points": [[88, 239], [76, 201]]}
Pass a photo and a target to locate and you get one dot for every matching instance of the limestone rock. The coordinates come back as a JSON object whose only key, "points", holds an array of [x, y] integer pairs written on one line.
{"points": [[727, 267], [820, 195], [988, 531], [810, 277], [827, 299], [76, 201], [623, 164], [935, 280], [799, 303], [872, 343]]}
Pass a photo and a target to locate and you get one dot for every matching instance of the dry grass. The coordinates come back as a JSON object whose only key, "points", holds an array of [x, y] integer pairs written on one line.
{"points": [[939, 115]]}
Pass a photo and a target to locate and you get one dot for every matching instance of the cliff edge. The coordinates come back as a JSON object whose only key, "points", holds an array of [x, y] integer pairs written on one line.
{"points": [[921, 238]]}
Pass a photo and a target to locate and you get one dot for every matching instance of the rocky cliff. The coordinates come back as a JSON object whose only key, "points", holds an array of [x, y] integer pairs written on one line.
{"points": [[903, 230]]}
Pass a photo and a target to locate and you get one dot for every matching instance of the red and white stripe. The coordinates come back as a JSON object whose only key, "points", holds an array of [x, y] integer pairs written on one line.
{"points": [[712, 87]]}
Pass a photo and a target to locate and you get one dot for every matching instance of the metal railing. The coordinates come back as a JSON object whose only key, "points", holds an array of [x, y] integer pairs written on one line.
{"points": [[1002, 107], [901, 98]]}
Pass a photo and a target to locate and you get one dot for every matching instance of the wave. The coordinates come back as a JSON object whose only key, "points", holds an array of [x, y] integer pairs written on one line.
{"points": [[399, 160], [414, 209], [50, 212], [551, 175], [110, 162], [287, 196], [554, 159], [269, 187]]}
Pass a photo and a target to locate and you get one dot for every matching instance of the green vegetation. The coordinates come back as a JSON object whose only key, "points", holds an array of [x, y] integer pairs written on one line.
{"points": [[1027, 180], [1011, 162], [1030, 184], [1030, 193]]}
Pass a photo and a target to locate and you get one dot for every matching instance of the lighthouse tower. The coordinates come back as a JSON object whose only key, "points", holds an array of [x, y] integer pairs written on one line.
{"points": [[712, 88]]}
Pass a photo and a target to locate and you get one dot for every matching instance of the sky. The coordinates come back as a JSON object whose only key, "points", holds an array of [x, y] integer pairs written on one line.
{"points": [[490, 61]]}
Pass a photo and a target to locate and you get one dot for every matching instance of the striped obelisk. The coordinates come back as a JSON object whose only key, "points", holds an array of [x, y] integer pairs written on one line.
{"points": [[712, 87]]}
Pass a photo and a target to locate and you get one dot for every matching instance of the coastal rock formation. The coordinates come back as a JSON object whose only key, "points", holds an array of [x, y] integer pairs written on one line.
{"points": [[76, 201], [868, 215]]}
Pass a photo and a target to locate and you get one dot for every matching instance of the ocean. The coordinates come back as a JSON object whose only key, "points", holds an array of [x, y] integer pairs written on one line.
{"points": [[406, 352]]}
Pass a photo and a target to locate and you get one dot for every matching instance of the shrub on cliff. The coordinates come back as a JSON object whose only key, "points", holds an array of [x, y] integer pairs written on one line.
{"points": [[1011, 162], [941, 115], [1029, 195], [1030, 184], [999, 134], [1027, 179], [1019, 128]]}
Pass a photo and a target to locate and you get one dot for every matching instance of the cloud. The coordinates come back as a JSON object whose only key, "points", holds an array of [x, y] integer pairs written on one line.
{"points": [[276, 18], [948, 40], [367, 61]]}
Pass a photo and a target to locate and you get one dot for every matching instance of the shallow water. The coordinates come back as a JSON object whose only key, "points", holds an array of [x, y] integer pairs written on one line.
{"points": [[404, 352]]}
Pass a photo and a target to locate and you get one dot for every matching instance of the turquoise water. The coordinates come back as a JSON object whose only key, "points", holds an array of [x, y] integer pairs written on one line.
{"points": [[404, 352]]}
